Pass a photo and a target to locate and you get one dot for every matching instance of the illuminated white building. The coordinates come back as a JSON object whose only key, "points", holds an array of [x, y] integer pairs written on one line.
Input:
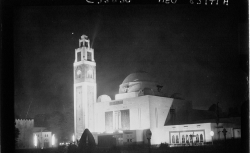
{"points": [[140, 105], [44, 139]]}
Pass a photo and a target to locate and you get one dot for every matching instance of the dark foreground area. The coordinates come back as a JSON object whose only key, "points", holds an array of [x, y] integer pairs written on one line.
{"points": [[228, 147]]}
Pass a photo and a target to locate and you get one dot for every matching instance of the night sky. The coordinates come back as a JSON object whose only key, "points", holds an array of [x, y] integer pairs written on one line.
{"points": [[194, 50]]}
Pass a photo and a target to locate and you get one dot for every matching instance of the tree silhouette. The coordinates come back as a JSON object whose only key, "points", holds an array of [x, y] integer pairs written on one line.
{"points": [[217, 110], [87, 142]]}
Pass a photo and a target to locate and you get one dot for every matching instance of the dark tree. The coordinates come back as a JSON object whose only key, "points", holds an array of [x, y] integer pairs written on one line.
{"points": [[87, 142]]}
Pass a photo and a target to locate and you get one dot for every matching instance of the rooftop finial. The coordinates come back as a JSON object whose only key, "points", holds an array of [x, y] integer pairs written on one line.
{"points": [[84, 41]]}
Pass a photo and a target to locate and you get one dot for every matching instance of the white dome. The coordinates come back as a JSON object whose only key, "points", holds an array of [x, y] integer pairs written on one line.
{"points": [[137, 81], [138, 76], [103, 98]]}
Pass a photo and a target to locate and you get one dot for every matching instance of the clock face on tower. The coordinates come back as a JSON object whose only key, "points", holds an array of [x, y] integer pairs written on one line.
{"points": [[78, 72], [84, 73]]}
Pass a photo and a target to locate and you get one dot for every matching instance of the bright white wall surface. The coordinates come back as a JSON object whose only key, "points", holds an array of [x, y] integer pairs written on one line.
{"points": [[145, 111], [159, 109], [87, 102], [138, 110]]}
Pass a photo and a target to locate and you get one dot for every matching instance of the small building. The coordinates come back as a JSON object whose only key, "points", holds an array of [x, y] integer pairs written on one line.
{"points": [[27, 132], [44, 139]]}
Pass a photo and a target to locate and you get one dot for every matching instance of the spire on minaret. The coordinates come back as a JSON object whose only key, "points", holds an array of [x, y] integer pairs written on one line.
{"points": [[84, 41]]}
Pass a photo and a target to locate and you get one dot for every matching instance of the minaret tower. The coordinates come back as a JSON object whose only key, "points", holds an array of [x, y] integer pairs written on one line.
{"points": [[84, 87]]}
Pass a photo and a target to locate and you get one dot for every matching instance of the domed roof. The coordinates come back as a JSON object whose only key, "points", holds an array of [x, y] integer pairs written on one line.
{"points": [[138, 76], [103, 98]]}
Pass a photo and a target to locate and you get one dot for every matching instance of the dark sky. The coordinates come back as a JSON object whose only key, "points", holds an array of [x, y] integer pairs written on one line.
{"points": [[195, 50]]}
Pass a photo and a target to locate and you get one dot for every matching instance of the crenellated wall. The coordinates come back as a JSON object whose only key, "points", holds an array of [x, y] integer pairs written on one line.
{"points": [[25, 127]]}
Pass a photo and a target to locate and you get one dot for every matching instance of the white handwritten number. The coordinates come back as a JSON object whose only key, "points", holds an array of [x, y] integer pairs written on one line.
{"points": [[124, 1], [225, 2], [212, 1], [166, 1], [199, 2], [89, 1], [191, 2], [174, 1]]}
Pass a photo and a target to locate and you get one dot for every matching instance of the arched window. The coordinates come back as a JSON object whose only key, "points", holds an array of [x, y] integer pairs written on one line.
{"points": [[177, 139], [201, 138], [191, 138], [183, 139], [173, 140], [187, 139], [197, 137]]}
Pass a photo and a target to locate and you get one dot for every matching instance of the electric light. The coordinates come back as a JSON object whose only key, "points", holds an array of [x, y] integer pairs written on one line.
{"points": [[53, 139], [35, 140], [212, 133]]}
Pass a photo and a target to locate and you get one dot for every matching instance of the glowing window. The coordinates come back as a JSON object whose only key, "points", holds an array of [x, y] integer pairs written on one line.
{"points": [[173, 140], [183, 139], [125, 119], [78, 56], [177, 139], [187, 139], [191, 138], [89, 56], [201, 138], [109, 121], [197, 138]]}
